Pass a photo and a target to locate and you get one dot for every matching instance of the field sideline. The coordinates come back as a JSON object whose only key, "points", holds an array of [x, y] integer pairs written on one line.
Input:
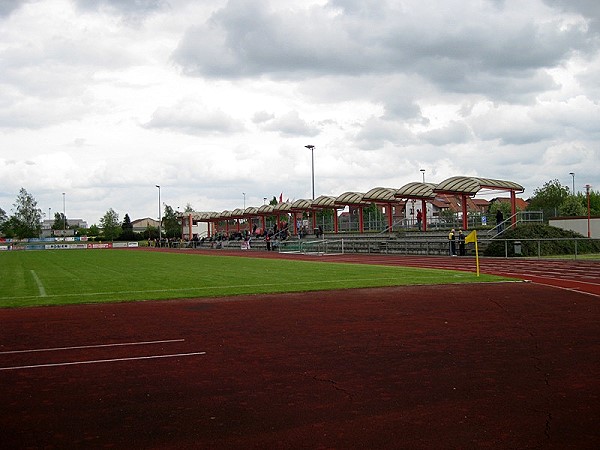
{"points": [[55, 277]]}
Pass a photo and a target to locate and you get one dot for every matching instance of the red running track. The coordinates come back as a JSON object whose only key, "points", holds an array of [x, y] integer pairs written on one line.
{"points": [[491, 365]]}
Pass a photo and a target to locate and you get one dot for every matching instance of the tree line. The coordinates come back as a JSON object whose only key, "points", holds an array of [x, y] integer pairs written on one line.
{"points": [[25, 221]]}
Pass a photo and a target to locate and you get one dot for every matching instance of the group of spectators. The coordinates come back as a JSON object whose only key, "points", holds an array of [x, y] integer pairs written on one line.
{"points": [[452, 238], [166, 242]]}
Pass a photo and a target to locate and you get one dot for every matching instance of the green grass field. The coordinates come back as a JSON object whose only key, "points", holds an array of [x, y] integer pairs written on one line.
{"points": [[57, 277]]}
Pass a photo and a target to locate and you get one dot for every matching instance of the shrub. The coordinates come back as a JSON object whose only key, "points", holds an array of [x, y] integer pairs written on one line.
{"points": [[554, 246]]}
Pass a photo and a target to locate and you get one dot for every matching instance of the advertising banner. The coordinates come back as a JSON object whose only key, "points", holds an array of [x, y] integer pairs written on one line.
{"points": [[100, 245]]}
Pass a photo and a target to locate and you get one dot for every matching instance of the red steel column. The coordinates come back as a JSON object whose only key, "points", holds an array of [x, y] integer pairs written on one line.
{"points": [[335, 221], [361, 220], [465, 220]]}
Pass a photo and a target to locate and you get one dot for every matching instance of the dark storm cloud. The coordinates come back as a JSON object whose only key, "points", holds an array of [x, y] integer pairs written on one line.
{"points": [[8, 6], [496, 56], [590, 9]]}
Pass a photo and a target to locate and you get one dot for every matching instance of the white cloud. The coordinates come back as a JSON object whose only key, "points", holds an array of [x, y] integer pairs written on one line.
{"points": [[105, 99], [193, 118], [290, 124]]}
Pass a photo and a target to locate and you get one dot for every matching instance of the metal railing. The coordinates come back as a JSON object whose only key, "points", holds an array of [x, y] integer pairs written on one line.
{"points": [[515, 247], [521, 217]]}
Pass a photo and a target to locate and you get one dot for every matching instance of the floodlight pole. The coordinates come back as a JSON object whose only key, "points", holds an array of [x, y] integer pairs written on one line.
{"points": [[312, 160], [573, 175], [159, 218], [64, 216], [587, 191]]}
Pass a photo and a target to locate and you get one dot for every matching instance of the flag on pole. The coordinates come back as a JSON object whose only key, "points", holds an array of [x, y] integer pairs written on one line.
{"points": [[472, 237]]}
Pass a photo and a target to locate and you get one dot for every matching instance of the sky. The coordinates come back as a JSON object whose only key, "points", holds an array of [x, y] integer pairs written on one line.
{"points": [[215, 100]]}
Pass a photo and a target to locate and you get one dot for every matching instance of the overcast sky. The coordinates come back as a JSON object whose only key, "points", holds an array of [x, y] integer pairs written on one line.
{"points": [[210, 99]]}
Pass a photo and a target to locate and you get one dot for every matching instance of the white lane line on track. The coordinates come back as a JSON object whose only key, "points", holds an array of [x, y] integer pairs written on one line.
{"points": [[579, 291], [39, 283], [542, 277], [97, 361], [118, 344]]}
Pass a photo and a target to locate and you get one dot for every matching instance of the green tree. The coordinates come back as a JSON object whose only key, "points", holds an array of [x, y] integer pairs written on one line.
{"points": [[549, 197], [150, 232], [110, 225], [93, 231], [373, 216], [171, 223], [188, 208], [505, 207], [127, 227], [60, 222], [324, 217], [573, 205], [27, 216], [594, 202], [9, 226], [3, 220]]}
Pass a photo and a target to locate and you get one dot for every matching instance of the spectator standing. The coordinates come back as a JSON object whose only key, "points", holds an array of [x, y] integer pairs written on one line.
{"points": [[499, 221], [452, 241], [461, 243]]}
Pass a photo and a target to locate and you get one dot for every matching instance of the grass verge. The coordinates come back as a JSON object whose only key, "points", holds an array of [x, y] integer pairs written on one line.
{"points": [[36, 278]]}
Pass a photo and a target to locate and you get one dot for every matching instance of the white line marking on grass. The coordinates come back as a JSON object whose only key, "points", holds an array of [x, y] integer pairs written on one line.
{"points": [[39, 283], [97, 361], [421, 278], [54, 349]]}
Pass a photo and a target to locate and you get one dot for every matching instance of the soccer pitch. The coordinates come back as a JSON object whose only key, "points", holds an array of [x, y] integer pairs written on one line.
{"points": [[58, 277]]}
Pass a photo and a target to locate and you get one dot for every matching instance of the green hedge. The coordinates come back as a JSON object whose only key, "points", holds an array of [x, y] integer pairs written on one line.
{"points": [[546, 248]]}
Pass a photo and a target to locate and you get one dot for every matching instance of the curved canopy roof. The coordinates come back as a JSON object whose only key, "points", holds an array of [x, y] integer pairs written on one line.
{"points": [[195, 215], [381, 195], [323, 202], [472, 185], [265, 209], [237, 213], [459, 185], [250, 211], [416, 190], [350, 198], [301, 205], [206, 216], [282, 207]]}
